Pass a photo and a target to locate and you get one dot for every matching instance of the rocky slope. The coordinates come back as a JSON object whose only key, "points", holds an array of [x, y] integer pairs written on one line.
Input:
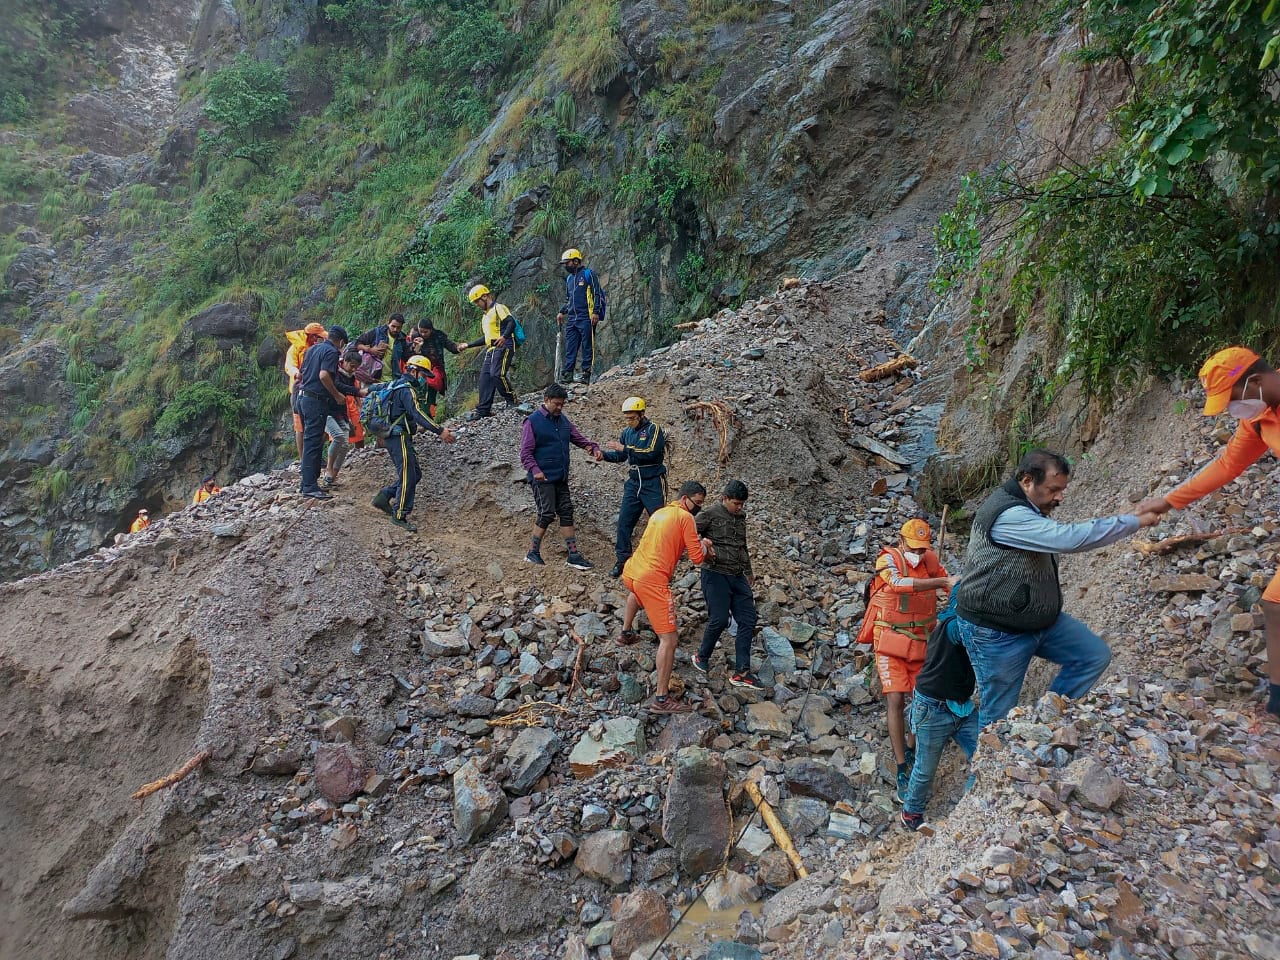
{"points": [[821, 132], [422, 743]]}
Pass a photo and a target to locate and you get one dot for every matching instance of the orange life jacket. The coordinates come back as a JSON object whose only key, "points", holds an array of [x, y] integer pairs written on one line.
{"points": [[896, 623], [353, 414], [139, 525], [202, 494]]}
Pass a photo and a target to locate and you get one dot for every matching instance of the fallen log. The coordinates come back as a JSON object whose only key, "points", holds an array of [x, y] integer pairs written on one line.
{"points": [[180, 774], [776, 829], [1156, 548], [888, 368]]}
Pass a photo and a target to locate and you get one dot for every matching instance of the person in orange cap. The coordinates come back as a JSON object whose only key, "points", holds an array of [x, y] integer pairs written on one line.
{"points": [[1236, 380], [299, 341], [902, 607]]}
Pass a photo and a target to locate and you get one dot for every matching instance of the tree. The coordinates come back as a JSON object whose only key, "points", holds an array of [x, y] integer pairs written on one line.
{"points": [[248, 102]]}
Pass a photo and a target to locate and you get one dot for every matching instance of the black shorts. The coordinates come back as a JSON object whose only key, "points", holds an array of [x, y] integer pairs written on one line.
{"points": [[552, 499]]}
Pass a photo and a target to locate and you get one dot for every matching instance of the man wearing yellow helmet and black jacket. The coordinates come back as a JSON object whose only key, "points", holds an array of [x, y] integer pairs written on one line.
{"points": [[642, 447], [406, 415], [583, 309], [498, 337]]}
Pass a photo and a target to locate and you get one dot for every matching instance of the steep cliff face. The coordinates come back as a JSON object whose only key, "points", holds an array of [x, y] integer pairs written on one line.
{"points": [[696, 151]]}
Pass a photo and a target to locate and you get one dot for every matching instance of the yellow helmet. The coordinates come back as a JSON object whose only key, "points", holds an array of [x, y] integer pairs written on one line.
{"points": [[419, 361], [633, 405], [573, 253], [476, 292]]}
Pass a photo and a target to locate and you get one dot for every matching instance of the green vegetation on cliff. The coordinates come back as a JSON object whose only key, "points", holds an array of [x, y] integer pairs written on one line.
{"points": [[1165, 245]]}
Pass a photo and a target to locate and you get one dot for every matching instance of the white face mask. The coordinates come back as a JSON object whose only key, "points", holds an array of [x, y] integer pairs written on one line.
{"points": [[911, 558], [1245, 409]]}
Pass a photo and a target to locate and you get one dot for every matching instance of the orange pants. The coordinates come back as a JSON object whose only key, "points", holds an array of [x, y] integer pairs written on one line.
{"points": [[654, 594], [897, 675]]}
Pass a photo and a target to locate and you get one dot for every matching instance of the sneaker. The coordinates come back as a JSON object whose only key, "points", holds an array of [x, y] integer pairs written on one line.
{"points": [[382, 502], [405, 524], [912, 821], [326, 482], [669, 705], [699, 664], [579, 562], [534, 557], [525, 409], [746, 680], [628, 637], [904, 781], [317, 495], [616, 571], [473, 416]]}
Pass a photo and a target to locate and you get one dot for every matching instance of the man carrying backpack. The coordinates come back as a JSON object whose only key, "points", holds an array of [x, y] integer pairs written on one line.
{"points": [[499, 336], [642, 447], [583, 309], [901, 610], [431, 343], [404, 416]]}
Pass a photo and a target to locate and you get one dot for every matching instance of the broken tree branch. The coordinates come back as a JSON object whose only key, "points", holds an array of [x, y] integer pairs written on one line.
{"points": [[776, 829], [180, 774], [888, 368], [721, 418], [1156, 548]]}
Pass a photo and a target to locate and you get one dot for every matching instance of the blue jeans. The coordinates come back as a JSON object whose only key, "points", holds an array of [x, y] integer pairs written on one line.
{"points": [[638, 496], [1000, 661], [724, 594], [934, 724], [314, 413]]}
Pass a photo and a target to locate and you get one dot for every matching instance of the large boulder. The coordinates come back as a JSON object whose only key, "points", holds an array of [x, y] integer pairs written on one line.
{"points": [[643, 918], [340, 773], [529, 757], [614, 743], [695, 818], [229, 325], [605, 856], [807, 777], [32, 375], [28, 271], [644, 26], [479, 806]]}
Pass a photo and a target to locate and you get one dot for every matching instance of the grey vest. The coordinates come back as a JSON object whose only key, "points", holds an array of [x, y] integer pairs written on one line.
{"points": [[1016, 591]]}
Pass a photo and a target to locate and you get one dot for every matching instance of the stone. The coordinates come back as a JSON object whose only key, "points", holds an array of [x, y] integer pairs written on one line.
{"points": [[695, 818], [340, 773], [229, 324], [277, 763], [843, 825], [601, 933], [808, 777], [814, 720], [620, 742], [797, 631], [778, 648], [1184, 583], [642, 918], [479, 806], [811, 894], [340, 728], [832, 934], [1097, 787], [755, 841], [730, 889], [802, 816], [686, 730], [593, 817], [774, 869], [633, 691], [767, 718], [732, 950], [473, 705], [529, 757], [605, 856], [445, 643]]}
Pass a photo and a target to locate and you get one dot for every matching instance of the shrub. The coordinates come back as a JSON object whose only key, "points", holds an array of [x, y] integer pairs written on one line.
{"points": [[195, 405], [248, 101]]}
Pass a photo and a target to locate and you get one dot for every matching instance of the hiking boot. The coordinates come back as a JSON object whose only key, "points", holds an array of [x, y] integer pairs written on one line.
{"points": [[666, 706], [700, 665], [912, 821], [525, 409], [382, 502], [628, 637], [904, 781], [475, 415], [579, 562], [534, 557], [747, 680], [616, 571], [405, 524], [317, 494]]}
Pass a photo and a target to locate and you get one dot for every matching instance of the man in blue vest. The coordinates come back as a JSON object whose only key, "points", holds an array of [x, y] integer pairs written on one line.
{"points": [[544, 453], [641, 446], [583, 309]]}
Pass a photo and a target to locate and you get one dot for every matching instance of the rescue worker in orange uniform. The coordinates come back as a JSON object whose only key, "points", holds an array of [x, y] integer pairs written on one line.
{"points": [[670, 533], [140, 522], [1238, 381], [902, 608], [208, 488], [299, 340]]}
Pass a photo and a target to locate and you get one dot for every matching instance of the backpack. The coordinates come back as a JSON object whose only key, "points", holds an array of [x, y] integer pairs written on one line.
{"points": [[375, 411], [519, 333]]}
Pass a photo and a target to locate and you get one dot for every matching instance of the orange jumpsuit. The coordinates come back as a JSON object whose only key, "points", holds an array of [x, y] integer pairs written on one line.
{"points": [[1252, 439], [900, 618], [670, 532]]}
